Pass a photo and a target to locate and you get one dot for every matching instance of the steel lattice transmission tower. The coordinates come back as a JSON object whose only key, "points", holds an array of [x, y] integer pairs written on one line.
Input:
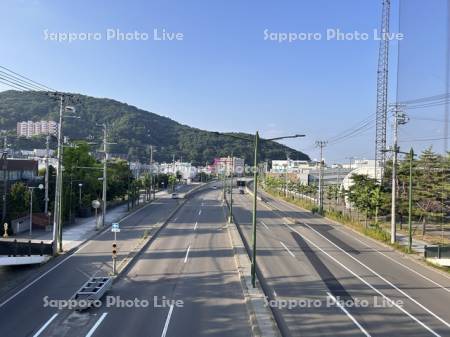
{"points": [[382, 91]]}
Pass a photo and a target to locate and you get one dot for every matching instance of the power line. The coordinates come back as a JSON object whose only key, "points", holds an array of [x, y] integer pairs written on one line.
{"points": [[28, 79], [16, 84], [19, 80], [423, 139]]}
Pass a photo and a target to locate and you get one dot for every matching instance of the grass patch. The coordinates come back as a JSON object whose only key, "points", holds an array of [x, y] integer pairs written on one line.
{"points": [[145, 235]]}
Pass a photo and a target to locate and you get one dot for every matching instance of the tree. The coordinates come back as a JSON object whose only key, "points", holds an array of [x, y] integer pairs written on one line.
{"points": [[19, 200], [365, 195], [432, 187], [172, 181]]}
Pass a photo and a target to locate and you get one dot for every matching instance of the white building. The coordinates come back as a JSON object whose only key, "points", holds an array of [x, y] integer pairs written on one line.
{"points": [[29, 129], [186, 170], [292, 166]]}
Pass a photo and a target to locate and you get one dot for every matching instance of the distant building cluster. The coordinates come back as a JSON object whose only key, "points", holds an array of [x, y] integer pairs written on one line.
{"points": [[30, 129], [307, 173], [228, 165]]}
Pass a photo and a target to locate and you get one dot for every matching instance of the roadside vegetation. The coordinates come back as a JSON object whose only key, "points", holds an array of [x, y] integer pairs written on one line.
{"points": [[366, 205]]}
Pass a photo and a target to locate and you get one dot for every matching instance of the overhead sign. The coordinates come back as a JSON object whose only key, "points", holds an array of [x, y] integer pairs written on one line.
{"points": [[115, 228]]}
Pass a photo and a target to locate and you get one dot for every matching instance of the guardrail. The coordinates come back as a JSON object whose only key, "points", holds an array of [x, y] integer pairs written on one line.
{"points": [[24, 248], [437, 252]]}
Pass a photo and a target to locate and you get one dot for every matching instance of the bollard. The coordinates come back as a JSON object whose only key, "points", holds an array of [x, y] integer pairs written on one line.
{"points": [[29, 247], [5, 227]]}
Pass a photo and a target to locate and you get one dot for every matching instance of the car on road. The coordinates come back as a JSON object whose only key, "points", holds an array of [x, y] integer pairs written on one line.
{"points": [[175, 196], [215, 187]]}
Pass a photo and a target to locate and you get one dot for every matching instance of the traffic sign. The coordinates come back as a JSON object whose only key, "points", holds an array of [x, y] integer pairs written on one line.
{"points": [[115, 228]]}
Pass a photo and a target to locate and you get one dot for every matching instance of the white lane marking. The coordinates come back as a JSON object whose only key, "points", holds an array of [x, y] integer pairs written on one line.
{"points": [[195, 226], [35, 280], [265, 225], [96, 325], [166, 325], [349, 315], [388, 257], [292, 254], [187, 254], [64, 260], [45, 325], [200, 212], [366, 283], [381, 277], [393, 260]]}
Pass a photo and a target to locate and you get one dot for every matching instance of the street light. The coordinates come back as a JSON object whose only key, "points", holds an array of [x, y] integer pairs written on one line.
{"points": [[255, 189], [80, 185], [31, 188]]}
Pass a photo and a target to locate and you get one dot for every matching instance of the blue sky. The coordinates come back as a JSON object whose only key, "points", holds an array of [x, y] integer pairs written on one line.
{"points": [[223, 75]]}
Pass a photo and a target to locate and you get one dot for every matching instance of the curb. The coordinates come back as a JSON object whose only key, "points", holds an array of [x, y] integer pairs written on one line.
{"points": [[126, 263], [262, 321]]}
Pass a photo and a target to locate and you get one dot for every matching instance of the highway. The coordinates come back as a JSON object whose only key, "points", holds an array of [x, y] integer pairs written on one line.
{"points": [[314, 259], [188, 271], [62, 277], [185, 281]]}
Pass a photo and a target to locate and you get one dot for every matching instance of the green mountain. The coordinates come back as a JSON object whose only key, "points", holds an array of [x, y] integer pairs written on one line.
{"points": [[131, 128]]}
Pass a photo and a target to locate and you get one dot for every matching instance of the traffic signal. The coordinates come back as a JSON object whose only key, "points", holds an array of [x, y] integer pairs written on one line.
{"points": [[114, 250]]}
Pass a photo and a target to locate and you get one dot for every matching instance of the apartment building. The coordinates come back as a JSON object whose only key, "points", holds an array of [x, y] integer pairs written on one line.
{"points": [[29, 128]]}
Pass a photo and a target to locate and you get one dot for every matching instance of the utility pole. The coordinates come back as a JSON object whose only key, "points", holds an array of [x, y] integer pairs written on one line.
{"points": [[5, 177], [400, 118], [105, 134], [57, 231], [57, 213], [47, 154], [321, 144]]}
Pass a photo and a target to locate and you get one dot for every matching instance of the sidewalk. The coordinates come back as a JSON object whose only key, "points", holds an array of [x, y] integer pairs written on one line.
{"points": [[83, 228]]}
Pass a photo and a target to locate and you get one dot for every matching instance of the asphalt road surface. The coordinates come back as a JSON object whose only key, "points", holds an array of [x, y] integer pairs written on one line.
{"points": [[314, 262], [185, 283], [23, 311]]}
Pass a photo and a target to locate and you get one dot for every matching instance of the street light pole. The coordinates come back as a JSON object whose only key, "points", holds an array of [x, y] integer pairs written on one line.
{"points": [[31, 211], [255, 191], [411, 158], [31, 189], [80, 185], [230, 220], [255, 200]]}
